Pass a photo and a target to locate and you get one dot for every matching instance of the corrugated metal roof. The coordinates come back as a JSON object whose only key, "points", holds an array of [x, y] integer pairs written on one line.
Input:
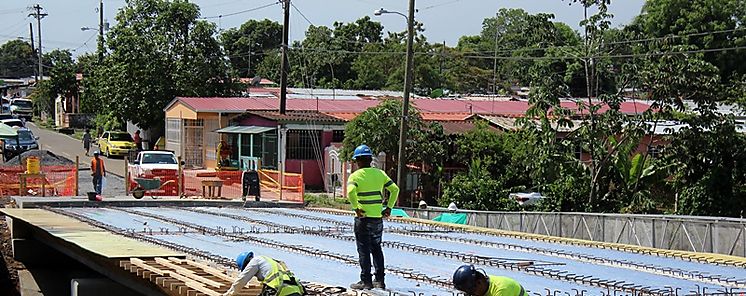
{"points": [[511, 123], [502, 108], [240, 129], [297, 116], [457, 127], [445, 116]]}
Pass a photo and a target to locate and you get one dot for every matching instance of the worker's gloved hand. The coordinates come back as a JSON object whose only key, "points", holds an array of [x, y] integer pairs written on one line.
{"points": [[359, 213], [386, 212]]}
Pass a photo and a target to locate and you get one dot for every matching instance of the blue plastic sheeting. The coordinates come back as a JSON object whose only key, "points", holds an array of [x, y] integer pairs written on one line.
{"points": [[122, 219], [710, 269], [304, 267], [346, 218], [211, 221], [270, 217], [571, 266], [434, 266]]}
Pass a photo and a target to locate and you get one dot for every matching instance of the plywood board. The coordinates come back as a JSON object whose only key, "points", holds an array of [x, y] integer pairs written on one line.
{"points": [[87, 237]]}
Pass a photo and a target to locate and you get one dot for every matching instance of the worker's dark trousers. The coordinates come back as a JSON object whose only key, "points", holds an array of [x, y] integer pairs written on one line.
{"points": [[368, 233], [97, 184]]}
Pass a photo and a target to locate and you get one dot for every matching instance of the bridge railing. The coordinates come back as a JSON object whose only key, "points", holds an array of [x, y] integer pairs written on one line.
{"points": [[688, 233]]}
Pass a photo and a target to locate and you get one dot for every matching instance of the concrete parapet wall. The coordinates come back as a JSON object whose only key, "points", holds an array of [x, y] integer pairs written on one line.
{"points": [[688, 233]]}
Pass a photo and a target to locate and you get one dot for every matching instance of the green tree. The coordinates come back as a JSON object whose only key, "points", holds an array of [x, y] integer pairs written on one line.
{"points": [[725, 18], [247, 45], [61, 82], [378, 127], [159, 50], [16, 59]]}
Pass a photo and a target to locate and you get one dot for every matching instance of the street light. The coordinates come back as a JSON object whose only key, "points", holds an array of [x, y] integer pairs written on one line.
{"points": [[401, 175], [381, 11]]}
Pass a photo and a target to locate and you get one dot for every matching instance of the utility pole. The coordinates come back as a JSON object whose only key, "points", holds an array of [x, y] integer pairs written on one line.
{"points": [[401, 172], [33, 48], [284, 68], [39, 15], [101, 31]]}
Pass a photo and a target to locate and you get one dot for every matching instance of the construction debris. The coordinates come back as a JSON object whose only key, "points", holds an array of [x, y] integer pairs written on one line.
{"points": [[47, 158]]}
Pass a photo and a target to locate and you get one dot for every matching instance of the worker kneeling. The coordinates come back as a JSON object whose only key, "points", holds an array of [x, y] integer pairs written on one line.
{"points": [[276, 279], [475, 282]]}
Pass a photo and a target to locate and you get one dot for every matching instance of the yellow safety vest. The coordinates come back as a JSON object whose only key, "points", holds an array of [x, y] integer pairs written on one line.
{"points": [[281, 279], [364, 188], [504, 286]]}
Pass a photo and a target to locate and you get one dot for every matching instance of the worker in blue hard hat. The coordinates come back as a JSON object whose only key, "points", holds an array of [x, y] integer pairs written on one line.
{"points": [[364, 188], [275, 277], [475, 282]]}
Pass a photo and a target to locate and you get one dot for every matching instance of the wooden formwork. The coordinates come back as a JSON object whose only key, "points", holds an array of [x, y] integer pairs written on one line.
{"points": [[179, 277]]}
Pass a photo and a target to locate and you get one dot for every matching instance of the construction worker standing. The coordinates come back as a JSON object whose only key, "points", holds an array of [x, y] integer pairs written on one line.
{"points": [[364, 188], [276, 279], [98, 172], [475, 282]]}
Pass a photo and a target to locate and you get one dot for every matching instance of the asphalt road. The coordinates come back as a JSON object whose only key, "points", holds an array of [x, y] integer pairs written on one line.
{"points": [[70, 147]]}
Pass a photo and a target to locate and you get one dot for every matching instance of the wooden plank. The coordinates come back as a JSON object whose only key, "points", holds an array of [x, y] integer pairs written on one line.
{"points": [[206, 268], [188, 273]]}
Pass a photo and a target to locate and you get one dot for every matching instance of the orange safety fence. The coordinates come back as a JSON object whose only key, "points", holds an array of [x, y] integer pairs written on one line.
{"points": [[293, 187], [231, 187], [168, 182], [231, 183], [53, 181]]}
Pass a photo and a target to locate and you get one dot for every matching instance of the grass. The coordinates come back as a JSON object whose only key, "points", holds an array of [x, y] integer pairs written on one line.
{"points": [[326, 201]]}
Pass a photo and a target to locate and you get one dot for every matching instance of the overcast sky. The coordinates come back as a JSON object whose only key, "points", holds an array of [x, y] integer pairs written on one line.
{"points": [[444, 20]]}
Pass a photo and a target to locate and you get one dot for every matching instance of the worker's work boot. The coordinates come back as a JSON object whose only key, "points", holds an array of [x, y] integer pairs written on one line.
{"points": [[361, 285], [379, 285]]}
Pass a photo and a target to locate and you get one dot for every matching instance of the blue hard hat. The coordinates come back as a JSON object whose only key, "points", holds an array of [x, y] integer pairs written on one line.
{"points": [[362, 150], [244, 259], [465, 278]]}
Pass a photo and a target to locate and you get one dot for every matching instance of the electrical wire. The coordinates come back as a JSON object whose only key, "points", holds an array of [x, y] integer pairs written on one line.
{"points": [[301, 14], [85, 43], [240, 12]]}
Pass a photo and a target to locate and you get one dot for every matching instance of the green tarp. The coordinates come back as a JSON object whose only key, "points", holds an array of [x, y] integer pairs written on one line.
{"points": [[451, 218], [399, 213]]}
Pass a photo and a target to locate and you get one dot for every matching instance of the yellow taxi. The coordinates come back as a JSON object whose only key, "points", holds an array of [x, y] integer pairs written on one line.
{"points": [[116, 143]]}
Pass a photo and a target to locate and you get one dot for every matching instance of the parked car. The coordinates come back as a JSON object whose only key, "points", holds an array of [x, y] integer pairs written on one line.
{"points": [[26, 141], [116, 143], [22, 108], [4, 116], [13, 122]]}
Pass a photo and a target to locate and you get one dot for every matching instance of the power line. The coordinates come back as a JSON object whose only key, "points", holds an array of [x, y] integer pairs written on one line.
{"points": [[301, 14], [240, 12], [85, 43]]}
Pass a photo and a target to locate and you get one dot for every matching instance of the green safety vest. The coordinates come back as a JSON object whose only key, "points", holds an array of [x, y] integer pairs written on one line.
{"points": [[364, 188], [281, 279], [504, 286]]}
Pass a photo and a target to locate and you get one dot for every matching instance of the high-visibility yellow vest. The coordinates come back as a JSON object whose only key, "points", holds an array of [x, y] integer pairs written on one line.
{"points": [[281, 279], [504, 286], [364, 190]]}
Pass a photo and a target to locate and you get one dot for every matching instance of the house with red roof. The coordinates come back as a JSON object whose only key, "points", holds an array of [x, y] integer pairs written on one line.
{"points": [[296, 141]]}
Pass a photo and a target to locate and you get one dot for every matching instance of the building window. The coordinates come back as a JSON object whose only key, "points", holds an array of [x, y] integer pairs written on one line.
{"points": [[173, 130], [338, 136], [304, 144]]}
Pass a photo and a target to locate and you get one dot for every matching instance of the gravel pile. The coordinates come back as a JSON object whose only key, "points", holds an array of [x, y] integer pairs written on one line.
{"points": [[47, 159]]}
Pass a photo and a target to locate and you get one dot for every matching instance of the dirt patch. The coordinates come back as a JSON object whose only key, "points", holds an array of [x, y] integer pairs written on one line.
{"points": [[8, 267], [47, 159]]}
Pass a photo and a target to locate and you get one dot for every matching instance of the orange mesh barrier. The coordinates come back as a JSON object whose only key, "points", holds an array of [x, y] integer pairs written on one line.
{"points": [[168, 182], [292, 188], [53, 181]]}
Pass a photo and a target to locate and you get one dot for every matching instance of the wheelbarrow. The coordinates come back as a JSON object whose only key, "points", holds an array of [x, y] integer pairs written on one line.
{"points": [[145, 184]]}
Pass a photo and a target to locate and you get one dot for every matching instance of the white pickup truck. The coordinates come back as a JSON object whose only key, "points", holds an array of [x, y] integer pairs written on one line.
{"points": [[155, 172], [150, 162]]}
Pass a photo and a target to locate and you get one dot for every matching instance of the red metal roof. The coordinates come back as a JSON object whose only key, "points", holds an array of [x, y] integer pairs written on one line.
{"points": [[426, 106]]}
